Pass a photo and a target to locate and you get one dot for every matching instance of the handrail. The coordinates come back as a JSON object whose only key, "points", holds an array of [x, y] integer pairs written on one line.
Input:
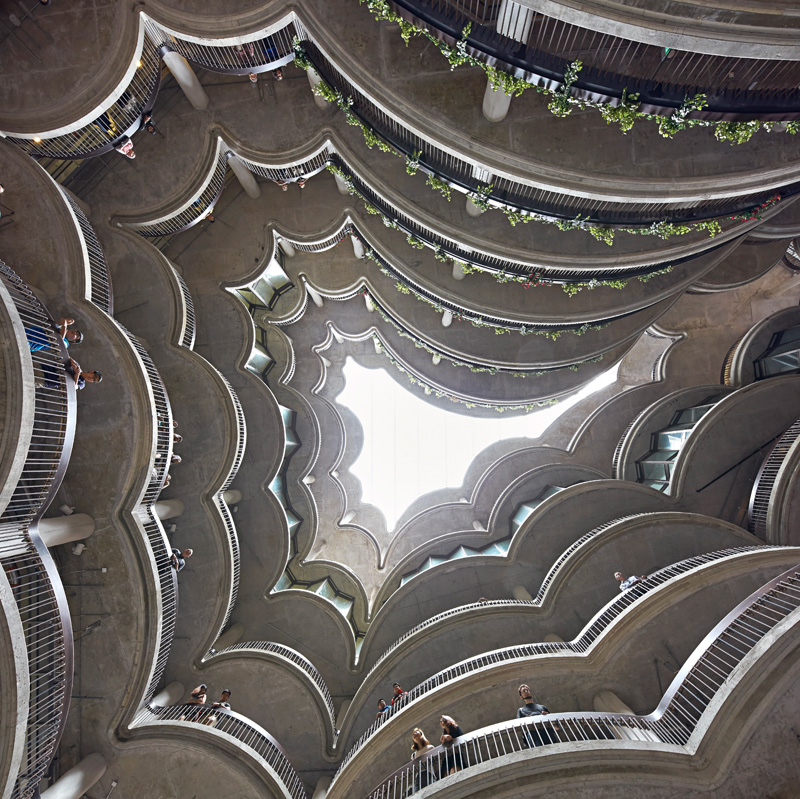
{"points": [[98, 279], [248, 735], [761, 499], [33, 576], [188, 324], [537, 601], [123, 116], [704, 675], [285, 653], [460, 173], [590, 633], [661, 76]]}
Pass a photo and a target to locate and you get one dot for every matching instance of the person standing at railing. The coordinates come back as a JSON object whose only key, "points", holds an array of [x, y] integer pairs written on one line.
{"points": [[453, 760], [626, 583], [399, 695], [419, 748], [382, 708], [534, 735], [178, 558]]}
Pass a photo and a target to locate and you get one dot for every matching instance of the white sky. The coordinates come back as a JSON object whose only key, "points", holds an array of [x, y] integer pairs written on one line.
{"points": [[412, 447]]}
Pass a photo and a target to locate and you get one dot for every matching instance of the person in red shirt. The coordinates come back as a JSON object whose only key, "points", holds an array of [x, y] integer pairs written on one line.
{"points": [[399, 695]]}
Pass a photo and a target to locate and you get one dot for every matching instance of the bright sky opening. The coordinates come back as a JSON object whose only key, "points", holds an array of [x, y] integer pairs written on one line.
{"points": [[412, 447]]}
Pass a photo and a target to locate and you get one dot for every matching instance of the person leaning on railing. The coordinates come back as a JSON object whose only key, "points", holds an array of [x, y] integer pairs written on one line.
{"points": [[629, 582], [419, 748], [453, 761], [534, 735]]}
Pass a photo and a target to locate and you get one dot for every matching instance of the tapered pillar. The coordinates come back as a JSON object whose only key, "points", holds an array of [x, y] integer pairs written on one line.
{"points": [[358, 247], [187, 80], [169, 695], [495, 104], [314, 80], [286, 246], [65, 529], [316, 298], [232, 496], [321, 791], [168, 509], [447, 318], [78, 779], [521, 593], [231, 636], [341, 184], [458, 267], [245, 176]]}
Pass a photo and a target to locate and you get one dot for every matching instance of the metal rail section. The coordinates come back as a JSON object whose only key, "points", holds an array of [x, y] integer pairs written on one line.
{"points": [[593, 630], [244, 733], [761, 498], [31, 572], [468, 176], [539, 49], [282, 652], [704, 675]]}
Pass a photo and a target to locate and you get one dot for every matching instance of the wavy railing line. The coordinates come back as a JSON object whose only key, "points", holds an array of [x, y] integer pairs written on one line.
{"points": [[761, 499], [285, 653], [247, 735], [533, 48], [537, 601], [188, 324], [32, 574], [125, 109], [602, 620], [703, 677], [98, 281], [442, 243], [459, 171]]}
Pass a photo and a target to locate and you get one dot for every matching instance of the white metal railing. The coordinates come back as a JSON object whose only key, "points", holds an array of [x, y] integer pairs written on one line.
{"points": [[579, 645], [702, 678], [285, 653], [32, 575], [248, 735]]}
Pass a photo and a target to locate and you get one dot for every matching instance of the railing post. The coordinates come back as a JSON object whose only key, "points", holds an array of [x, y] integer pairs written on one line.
{"points": [[186, 79]]}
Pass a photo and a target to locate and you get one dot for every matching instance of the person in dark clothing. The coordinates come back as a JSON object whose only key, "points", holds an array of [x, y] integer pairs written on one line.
{"points": [[454, 760], [179, 558], [535, 735]]}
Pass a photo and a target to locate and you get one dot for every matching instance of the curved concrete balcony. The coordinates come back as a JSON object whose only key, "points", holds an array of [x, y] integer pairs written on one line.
{"points": [[233, 733], [577, 583], [739, 368], [663, 60], [738, 658], [39, 412], [773, 502], [678, 592]]}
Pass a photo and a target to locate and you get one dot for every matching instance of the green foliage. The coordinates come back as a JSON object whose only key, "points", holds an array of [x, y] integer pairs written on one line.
{"points": [[438, 184], [402, 288], [736, 132], [561, 101], [793, 126], [301, 59], [669, 126], [480, 197], [412, 162], [605, 234], [414, 242], [625, 114], [511, 85]]}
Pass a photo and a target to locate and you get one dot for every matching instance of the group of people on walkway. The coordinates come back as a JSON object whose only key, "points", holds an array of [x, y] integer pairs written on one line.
{"points": [[202, 713], [399, 696], [38, 340]]}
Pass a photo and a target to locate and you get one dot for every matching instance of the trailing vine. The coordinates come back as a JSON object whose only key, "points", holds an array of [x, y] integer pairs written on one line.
{"points": [[625, 113]]}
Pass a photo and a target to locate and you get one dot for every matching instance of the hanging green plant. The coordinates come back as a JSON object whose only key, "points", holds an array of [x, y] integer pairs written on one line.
{"points": [[560, 101], [625, 114], [440, 186]]}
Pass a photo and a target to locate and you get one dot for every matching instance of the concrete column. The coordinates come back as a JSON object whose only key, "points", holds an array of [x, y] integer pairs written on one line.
{"points": [[521, 594], [314, 80], [287, 248], [78, 779], [187, 80], [316, 298], [338, 337], [447, 318], [169, 695], [245, 176], [790, 284], [232, 496], [472, 210], [377, 345], [609, 702], [436, 359], [552, 638], [65, 529], [495, 103], [458, 268], [341, 184], [168, 508], [358, 247], [321, 791], [369, 303], [231, 636]]}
